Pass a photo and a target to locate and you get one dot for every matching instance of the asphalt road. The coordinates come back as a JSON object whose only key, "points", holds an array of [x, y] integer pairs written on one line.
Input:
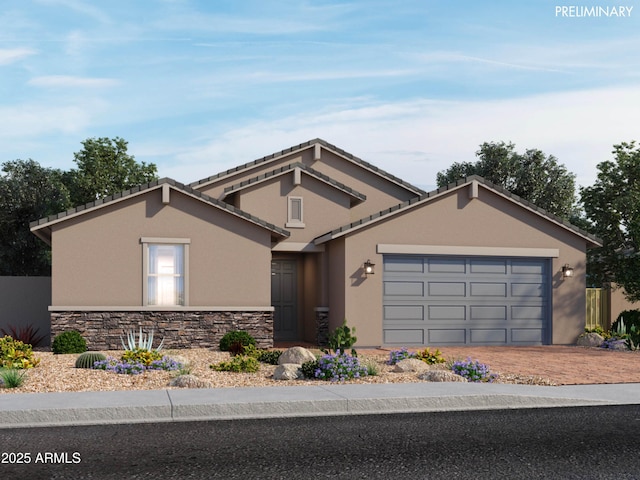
{"points": [[562, 443]]}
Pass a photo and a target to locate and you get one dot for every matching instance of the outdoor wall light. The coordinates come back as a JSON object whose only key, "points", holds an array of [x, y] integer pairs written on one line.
{"points": [[368, 268], [567, 271]]}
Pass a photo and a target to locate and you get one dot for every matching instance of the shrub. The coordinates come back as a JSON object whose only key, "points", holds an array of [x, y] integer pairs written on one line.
{"points": [[112, 364], [341, 339], [372, 367], [265, 356], [309, 369], [599, 330], [69, 342], [235, 336], [339, 367], [429, 357], [87, 359], [11, 378], [239, 363], [28, 334], [474, 371], [396, 355], [141, 355], [628, 318], [16, 354]]}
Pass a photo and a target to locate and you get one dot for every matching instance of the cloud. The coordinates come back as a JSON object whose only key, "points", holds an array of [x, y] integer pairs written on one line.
{"points": [[65, 81], [11, 55]]}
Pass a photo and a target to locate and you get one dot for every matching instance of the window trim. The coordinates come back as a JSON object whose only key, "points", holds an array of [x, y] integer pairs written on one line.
{"points": [[294, 222], [146, 242]]}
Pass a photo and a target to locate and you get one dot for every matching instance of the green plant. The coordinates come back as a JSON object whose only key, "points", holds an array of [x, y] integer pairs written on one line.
{"points": [[339, 367], [69, 342], [239, 363], [633, 338], [342, 339], [373, 369], [625, 321], [429, 357], [27, 334], [269, 356], [16, 354], [599, 330], [87, 359], [309, 368], [474, 371], [141, 355], [11, 377], [235, 336], [145, 342]]}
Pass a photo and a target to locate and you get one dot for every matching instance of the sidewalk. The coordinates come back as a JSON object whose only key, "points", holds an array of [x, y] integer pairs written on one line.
{"points": [[92, 408]]}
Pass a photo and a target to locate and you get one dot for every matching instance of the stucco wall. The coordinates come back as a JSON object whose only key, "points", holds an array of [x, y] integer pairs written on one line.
{"points": [[456, 220], [97, 257]]}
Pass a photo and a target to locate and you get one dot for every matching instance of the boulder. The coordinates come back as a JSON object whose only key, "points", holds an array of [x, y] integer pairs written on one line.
{"points": [[287, 371], [297, 355], [441, 376], [189, 381], [410, 365], [590, 340]]}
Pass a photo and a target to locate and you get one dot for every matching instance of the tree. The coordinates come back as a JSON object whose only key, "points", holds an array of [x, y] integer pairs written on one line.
{"points": [[612, 205], [533, 176], [105, 168], [28, 192]]}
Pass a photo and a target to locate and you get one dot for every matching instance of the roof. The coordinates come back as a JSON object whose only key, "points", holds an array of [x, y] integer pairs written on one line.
{"points": [[42, 227], [290, 169], [427, 197], [304, 146]]}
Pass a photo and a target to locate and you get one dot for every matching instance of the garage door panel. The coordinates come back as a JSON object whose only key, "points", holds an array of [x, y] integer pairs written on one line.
{"points": [[404, 289], [466, 300], [486, 335], [488, 289], [444, 265], [527, 290], [447, 312], [447, 336], [488, 266], [404, 337], [404, 312], [488, 312], [447, 289]]}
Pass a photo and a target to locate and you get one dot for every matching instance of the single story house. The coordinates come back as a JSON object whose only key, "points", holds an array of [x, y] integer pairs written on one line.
{"points": [[289, 245]]}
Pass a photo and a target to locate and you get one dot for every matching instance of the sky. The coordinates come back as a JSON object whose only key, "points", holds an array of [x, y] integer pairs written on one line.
{"points": [[412, 86]]}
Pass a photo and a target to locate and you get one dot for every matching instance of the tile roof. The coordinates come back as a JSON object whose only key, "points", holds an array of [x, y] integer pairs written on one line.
{"points": [[343, 230], [52, 219], [304, 146], [290, 168]]}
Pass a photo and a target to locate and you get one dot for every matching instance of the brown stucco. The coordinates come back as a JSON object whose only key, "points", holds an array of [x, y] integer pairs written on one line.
{"points": [[455, 220], [97, 257]]}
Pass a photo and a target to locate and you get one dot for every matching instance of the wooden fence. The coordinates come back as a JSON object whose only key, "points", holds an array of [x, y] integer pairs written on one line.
{"points": [[597, 308]]}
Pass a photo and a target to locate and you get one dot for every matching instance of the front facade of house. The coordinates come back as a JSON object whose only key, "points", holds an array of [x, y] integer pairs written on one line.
{"points": [[277, 247]]}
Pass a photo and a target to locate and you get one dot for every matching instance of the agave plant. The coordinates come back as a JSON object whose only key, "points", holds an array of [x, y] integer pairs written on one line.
{"points": [[145, 342]]}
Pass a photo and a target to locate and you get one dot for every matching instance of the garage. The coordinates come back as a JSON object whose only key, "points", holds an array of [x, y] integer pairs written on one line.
{"points": [[465, 300]]}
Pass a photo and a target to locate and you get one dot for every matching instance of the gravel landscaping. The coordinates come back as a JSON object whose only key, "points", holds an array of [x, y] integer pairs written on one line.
{"points": [[57, 373]]}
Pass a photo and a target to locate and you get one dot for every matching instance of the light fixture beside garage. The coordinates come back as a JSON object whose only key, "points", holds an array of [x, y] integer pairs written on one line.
{"points": [[369, 268], [567, 271]]}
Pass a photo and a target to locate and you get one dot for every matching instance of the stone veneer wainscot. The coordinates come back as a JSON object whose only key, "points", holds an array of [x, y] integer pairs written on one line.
{"points": [[180, 329]]}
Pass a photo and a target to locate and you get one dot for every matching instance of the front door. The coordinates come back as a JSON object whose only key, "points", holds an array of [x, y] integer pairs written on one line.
{"points": [[283, 299]]}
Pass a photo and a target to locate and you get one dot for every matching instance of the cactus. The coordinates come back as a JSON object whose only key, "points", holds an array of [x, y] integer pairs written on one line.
{"points": [[87, 359]]}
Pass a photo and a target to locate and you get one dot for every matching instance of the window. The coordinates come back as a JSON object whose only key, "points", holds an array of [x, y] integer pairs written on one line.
{"points": [[165, 271], [294, 213]]}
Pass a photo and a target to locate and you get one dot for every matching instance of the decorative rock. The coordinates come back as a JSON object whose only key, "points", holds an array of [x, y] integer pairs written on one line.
{"points": [[189, 381], [297, 355], [410, 365], [441, 376], [590, 340], [287, 371]]}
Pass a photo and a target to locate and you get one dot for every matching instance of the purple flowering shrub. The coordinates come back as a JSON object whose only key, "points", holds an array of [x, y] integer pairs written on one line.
{"points": [[474, 371], [396, 355], [115, 365], [339, 367]]}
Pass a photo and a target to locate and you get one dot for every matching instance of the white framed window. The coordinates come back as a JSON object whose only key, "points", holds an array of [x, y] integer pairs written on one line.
{"points": [[294, 213], [165, 269]]}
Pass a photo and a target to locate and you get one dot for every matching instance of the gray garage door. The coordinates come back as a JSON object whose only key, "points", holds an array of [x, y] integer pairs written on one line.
{"points": [[437, 300]]}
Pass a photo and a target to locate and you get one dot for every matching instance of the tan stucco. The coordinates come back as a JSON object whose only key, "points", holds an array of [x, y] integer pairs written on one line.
{"points": [[488, 221], [97, 257]]}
